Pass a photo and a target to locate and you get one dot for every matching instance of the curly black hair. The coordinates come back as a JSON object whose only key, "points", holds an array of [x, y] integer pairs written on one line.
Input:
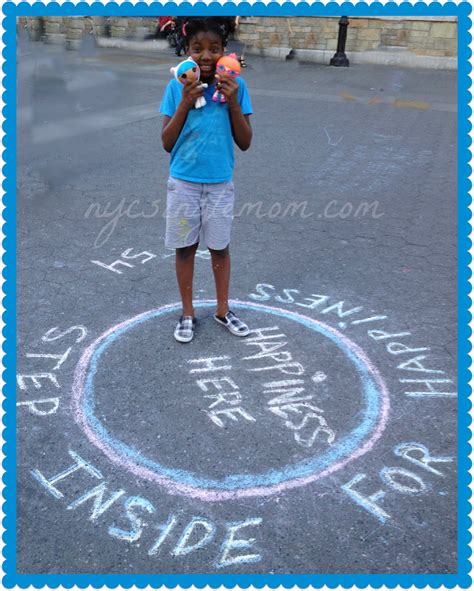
{"points": [[220, 25]]}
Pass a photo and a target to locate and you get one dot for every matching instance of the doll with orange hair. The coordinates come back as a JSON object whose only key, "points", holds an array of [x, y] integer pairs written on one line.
{"points": [[229, 66]]}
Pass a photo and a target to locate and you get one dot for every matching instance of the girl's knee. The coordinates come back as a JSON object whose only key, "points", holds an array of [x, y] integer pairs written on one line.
{"points": [[186, 252], [224, 253]]}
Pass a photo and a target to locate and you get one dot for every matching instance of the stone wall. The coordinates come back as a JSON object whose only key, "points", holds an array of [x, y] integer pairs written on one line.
{"points": [[70, 30], [424, 36], [135, 27], [431, 36]]}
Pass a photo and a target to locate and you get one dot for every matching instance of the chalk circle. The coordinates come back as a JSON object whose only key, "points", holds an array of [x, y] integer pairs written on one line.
{"points": [[346, 448]]}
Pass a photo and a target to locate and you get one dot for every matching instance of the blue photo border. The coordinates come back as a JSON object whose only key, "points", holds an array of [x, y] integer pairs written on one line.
{"points": [[10, 11]]}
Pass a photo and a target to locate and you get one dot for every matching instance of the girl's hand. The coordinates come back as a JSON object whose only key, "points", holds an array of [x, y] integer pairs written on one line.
{"points": [[192, 90], [229, 87]]}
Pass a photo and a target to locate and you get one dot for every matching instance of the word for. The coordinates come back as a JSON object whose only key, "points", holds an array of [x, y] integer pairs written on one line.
{"points": [[48, 404], [134, 517], [422, 380], [397, 479], [288, 395]]}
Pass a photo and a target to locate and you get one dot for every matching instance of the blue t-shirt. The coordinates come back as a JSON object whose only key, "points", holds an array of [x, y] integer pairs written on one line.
{"points": [[204, 150]]}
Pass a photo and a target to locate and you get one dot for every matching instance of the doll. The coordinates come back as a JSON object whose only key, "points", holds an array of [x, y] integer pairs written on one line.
{"points": [[227, 66], [189, 70]]}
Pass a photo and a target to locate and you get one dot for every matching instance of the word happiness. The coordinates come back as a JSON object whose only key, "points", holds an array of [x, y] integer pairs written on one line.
{"points": [[419, 378], [286, 398], [422, 382]]}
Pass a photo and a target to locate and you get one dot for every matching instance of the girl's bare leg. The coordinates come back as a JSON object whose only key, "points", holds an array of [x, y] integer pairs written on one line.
{"points": [[221, 270], [185, 273]]}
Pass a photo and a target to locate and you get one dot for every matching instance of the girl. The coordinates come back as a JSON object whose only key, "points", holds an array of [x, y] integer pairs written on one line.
{"points": [[200, 195]]}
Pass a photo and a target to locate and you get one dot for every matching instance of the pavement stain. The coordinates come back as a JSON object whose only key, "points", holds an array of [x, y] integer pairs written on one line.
{"points": [[347, 96], [407, 104]]}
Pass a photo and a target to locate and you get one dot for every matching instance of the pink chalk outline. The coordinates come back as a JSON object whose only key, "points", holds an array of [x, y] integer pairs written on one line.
{"points": [[175, 487]]}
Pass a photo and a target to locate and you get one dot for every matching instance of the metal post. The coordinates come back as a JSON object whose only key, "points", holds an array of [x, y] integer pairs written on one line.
{"points": [[340, 58]]}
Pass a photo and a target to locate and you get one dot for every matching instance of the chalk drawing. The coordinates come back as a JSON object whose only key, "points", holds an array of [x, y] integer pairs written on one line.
{"points": [[371, 319], [389, 476], [289, 298], [368, 503], [182, 547], [230, 543], [113, 267], [262, 295], [47, 406], [35, 380], [290, 398], [200, 254], [48, 336], [395, 348], [131, 505], [415, 364], [222, 397], [404, 450], [34, 406], [431, 391], [373, 419], [266, 291], [209, 364], [330, 141], [217, 383], [99, 506], [314, 301], [319, 377], [61, 358], [399, 479], [203, 254], [147, 256], [379, 335], [80, 464], [231, 413], [295, 368], [165, 530], [338, 307]]}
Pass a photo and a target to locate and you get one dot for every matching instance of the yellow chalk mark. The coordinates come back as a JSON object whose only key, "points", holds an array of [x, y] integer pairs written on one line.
{"points": [[347, 96], [183, 222], [375, 101], [403, 104]]}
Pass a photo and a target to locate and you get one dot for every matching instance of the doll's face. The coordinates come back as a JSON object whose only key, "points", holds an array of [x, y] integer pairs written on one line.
{"points": [[227, 71], [228, 66], [191, 74]]}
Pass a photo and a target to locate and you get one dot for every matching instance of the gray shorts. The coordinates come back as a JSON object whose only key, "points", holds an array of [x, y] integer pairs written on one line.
{"points": [[199, 212]]}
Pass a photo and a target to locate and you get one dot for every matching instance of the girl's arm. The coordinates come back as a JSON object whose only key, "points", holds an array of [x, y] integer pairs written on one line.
{"points": [[172, 126], [241, 128]]}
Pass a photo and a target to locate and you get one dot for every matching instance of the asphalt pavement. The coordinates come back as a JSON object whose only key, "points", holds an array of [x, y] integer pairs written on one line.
{"points": [[325, 442]]}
